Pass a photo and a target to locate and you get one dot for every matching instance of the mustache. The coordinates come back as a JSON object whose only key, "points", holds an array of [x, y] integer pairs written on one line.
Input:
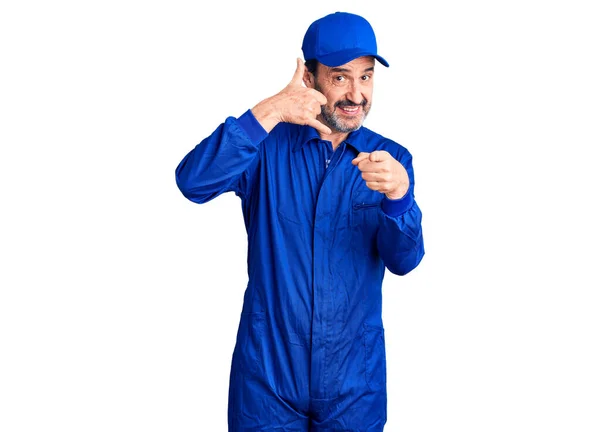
{"points": [[347, 103]]}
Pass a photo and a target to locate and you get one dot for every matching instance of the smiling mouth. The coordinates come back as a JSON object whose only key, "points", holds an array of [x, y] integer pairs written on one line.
{"points": [[350, 110]]}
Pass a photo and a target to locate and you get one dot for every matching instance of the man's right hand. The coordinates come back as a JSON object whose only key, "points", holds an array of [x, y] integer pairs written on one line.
{"points": [[294, 104]]}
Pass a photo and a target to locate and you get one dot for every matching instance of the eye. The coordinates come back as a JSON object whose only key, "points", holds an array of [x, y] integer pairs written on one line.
{"points": [[365, 77], [339, 78]]}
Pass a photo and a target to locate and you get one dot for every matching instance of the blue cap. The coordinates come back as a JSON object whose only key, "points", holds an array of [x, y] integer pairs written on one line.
{"points": [[339, 38]]}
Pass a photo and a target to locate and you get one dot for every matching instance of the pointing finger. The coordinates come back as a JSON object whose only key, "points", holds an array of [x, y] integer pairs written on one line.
{"points": [[361, 156], [377, 156]]}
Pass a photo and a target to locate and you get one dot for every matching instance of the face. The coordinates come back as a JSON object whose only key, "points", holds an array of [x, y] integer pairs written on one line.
{"points": [[348, 89]]}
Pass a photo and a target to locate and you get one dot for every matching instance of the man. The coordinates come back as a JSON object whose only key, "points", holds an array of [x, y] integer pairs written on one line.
{"points": [[328, 205]]}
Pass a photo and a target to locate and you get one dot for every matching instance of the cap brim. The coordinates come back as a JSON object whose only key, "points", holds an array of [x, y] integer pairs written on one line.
{"points": [[341, 58]]}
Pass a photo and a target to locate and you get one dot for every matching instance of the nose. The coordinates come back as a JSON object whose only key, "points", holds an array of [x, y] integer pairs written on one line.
{"points": [[354, 93]]}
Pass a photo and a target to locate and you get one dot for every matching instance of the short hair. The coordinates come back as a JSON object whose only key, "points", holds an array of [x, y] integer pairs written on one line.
{"points": [[311, 66]]}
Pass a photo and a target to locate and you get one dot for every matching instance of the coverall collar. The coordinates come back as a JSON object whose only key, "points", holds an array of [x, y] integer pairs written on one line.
{"points": [[355, 139]]}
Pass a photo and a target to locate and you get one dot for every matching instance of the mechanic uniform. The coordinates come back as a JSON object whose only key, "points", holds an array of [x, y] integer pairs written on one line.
{"points": [[310, 352]]}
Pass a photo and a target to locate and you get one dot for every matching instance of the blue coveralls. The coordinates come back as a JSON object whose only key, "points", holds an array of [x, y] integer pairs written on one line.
{"points": [[310, 352]]}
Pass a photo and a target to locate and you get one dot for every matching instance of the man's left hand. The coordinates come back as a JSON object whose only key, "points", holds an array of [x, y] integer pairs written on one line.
{"points": [[383, 173]]}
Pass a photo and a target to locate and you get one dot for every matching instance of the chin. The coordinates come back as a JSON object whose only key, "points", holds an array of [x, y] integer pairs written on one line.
{"points": [[350, 126], [340, 124]]}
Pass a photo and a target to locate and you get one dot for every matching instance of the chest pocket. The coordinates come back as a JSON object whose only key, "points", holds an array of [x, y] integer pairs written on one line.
{"points": [[364, 219]]}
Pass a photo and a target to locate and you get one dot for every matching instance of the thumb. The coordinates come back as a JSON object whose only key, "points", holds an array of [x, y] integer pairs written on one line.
{"points": [[299, 73], [361, 156], [377, 156]]}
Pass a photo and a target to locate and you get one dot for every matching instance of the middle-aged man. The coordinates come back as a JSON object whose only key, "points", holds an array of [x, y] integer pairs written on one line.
{"points": [[328, 204]]}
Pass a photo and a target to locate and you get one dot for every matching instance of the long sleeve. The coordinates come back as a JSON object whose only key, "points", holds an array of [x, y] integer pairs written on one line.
{"points": [[224, 161], [400, 236]]}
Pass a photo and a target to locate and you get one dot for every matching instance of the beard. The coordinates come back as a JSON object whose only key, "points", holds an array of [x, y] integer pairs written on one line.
{"points": [[339, 123]]}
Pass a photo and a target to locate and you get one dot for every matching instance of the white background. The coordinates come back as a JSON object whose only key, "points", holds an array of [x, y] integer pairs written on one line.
{"points": [[120, 299]]}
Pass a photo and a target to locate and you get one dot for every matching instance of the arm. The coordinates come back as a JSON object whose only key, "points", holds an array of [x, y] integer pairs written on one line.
{"points": [[224, 161], [399, 238]]}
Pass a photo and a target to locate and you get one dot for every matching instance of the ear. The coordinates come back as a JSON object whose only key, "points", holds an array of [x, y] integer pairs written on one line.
{"points": [[309, 79]]}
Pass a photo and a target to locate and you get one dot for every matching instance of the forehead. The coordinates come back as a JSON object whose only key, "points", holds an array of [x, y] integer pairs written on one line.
{"points": [[358, 65]]}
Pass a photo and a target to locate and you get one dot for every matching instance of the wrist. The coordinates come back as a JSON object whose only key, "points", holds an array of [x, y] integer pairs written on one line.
{"points": [[397, 194], [266, 115]]}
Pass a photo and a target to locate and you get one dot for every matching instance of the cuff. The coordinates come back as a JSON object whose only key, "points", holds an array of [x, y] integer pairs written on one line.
{"points": [[397, 207], [252, 127]]}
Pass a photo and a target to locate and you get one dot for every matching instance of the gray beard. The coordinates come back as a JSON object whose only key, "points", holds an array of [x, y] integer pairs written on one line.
{"points": [[332, 120]]}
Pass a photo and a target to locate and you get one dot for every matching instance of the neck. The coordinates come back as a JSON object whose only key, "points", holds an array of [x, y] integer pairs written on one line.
{"points": [[336, 138]]}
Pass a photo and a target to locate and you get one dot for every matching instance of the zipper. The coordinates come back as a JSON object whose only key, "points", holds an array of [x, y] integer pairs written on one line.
{"points": [[359, 206]]}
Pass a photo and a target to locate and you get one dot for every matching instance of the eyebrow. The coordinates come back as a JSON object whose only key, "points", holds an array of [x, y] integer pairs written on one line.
{"points": [[339, 69]]}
